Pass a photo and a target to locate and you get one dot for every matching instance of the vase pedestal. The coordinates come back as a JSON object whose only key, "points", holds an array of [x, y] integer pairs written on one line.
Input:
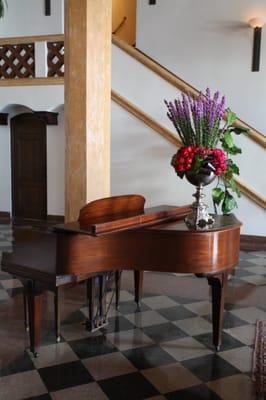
{"points": [[199, 217]]}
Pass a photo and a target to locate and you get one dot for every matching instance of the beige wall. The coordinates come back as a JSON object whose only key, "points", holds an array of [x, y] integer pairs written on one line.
{"points": [[121, 9]]}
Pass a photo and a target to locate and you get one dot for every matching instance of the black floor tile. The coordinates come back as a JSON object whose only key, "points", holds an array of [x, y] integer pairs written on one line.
{"points": [[75, 317], [129, 307], [176, 313], [210, 367], [128, 387], [65, 375], [92, 346], [145, 295], [4, 276], [263, 308], [245, 255], [228, 341], [20, 364], [148, 357], [230, 320], [241, 272], [116, 324], [184, 300], [15, 291], [162, 332], [200, 392], [50, 338], [42, 397], [235, 306]]}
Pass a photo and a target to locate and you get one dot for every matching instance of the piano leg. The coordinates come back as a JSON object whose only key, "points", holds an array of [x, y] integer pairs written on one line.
{"points": [[117, 287], [90, 324], [35, 303], [57, 314], [138, 278], [218, 285], [25, 307], [102, 299]]}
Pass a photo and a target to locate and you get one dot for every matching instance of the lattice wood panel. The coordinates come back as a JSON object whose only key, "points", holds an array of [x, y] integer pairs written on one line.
{"points": [[55, 58], [17, 61]]}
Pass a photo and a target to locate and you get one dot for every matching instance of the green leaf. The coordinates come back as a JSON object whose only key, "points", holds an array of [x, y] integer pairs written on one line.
{"points": [[231, 150], [232, 167], [217, 195], [233, 186], [197, 164], [238, 130], [231, 117], [235, 150], [229, 203], [228, 139]]}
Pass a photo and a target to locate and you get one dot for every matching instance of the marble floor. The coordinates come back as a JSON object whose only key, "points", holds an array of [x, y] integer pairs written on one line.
{"points": [[164, 351]]}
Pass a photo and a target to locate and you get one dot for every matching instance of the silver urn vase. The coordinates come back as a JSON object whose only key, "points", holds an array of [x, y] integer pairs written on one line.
{"points": [[199, 217]]}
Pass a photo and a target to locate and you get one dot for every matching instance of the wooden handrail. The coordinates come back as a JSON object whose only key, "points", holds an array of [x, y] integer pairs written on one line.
{"points": [[31, 39], [171, 137], [31, 82], [117, 29], [181, 85], [251, 194]]}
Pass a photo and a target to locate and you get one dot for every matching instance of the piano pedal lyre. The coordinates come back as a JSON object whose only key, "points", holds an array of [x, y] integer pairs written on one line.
{"points": [[97, 315]]}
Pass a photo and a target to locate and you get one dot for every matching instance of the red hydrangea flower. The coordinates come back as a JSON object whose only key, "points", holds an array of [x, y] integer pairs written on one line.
{"points": [[183, 160], [219, 161]]}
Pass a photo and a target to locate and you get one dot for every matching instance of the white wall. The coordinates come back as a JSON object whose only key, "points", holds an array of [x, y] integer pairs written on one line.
{"points": [[148, 91], [209, 43], [26, 18], [37, 98], [5, 170]]}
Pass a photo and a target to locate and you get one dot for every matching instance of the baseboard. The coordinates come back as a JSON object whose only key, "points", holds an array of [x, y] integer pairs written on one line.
{"points": [[252, 243], [5, 216], [55, 219]]}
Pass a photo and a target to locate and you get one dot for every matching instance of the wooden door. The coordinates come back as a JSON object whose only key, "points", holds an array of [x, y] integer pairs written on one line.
{"points": [[28, 162]]}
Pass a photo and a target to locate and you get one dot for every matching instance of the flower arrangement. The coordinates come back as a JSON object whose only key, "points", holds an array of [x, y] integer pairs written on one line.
{"points": [[198, 121]]}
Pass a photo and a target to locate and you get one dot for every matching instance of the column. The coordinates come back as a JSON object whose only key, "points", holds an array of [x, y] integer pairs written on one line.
{"points": [[87, 102]]}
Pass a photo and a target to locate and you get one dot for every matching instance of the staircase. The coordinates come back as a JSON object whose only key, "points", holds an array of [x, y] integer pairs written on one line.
{"points": [[142, 85]]}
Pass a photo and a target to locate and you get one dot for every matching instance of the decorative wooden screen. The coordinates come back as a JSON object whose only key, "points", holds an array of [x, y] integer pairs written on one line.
{"points": [[17, 61], [55, 58]]}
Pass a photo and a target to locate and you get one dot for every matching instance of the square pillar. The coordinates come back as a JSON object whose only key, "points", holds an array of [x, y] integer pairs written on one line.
{"points": [[87, 102]]}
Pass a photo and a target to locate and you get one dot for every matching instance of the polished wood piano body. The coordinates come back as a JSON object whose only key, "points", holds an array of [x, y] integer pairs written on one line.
{"points": [[116, 237]]}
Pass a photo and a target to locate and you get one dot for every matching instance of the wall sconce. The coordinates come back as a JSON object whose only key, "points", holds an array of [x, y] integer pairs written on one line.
{"points": [[256, 24], [47, 7]]}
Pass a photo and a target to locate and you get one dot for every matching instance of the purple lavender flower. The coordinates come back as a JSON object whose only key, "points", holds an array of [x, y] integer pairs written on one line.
{"points": [[197, 119]]}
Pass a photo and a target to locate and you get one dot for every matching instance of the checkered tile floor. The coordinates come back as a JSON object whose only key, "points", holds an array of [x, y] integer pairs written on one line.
{"points": [[162, 352]]}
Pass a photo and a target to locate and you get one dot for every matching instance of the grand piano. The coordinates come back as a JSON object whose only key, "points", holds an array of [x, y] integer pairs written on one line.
{"points": [[118, 233]]}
